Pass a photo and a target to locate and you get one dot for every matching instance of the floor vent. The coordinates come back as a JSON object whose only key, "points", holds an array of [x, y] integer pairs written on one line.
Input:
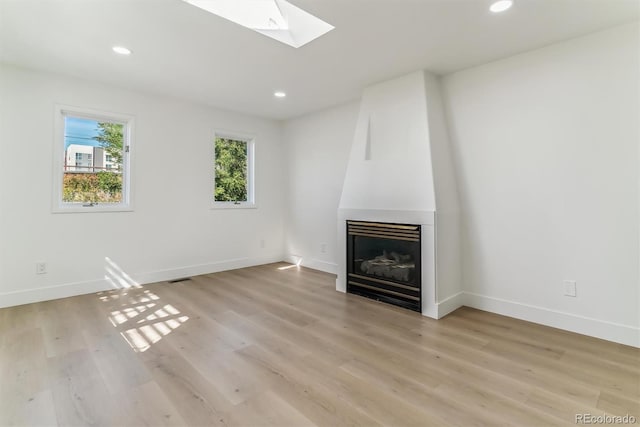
{"points": [[182, 279]]}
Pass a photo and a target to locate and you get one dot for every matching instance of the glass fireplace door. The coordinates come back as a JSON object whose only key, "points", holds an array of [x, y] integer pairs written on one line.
{"points": [[383, 262]]}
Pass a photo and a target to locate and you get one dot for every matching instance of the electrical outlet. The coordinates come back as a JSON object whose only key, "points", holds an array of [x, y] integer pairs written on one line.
{"points": [[323, 248], [41, 268], [263, 244], [569, 288]]}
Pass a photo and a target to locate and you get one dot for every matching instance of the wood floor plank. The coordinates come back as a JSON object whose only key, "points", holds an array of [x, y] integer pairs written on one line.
{"points": [[300, 338], [559, 406], [498, 409], [194, 395], [278, 306], [324, 406], [147, 405], [267, 409], [585, 345], [257, 333], [59, 328], [116, 362], [276, 345], [25, 393], [414, 392], [383, 405], [617, 404], [79, 393]]}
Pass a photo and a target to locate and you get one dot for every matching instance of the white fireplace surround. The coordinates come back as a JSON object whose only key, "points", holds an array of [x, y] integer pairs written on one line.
{"points": [[400, 171], [423, 218]]}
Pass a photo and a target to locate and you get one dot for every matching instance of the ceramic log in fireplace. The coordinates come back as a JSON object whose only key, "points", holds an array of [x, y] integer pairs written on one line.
{"points": [[383, 262]]}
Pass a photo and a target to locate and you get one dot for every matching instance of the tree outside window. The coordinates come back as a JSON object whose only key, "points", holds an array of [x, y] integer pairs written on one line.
{"points": [[231, 170]]}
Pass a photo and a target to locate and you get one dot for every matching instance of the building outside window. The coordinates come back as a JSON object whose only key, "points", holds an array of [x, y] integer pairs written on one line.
{"points": [[93, 173]]}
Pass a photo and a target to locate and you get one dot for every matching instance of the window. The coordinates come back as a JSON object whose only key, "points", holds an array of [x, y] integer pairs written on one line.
{"points": [[89, 137], [233, 184]]}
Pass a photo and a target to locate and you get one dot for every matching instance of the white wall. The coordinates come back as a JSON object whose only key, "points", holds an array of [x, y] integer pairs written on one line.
{"points": [[317, 149], [172, 231], [546, 148], [390, 159], [447, 225]]}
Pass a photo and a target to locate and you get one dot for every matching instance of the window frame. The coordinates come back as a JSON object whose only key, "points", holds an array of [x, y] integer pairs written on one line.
{"points": [[250, 140], [128, 122]]}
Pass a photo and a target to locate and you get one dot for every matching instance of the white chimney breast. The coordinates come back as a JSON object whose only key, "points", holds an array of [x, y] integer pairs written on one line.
{"points": [[390, 162], [390, 178]]}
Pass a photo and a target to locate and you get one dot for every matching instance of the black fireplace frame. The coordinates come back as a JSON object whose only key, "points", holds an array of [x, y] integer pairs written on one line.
{"points": [[387, 290]]}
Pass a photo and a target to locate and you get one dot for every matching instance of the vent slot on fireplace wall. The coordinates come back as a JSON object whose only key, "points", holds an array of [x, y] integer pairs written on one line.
{"points": [[384, 262]]}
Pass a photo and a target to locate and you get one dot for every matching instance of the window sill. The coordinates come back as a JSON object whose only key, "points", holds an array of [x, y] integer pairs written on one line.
{"points": [[92, 209], [231, 205]]}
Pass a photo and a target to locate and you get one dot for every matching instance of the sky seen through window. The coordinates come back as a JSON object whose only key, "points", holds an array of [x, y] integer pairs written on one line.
{"points": [[80, 131]]}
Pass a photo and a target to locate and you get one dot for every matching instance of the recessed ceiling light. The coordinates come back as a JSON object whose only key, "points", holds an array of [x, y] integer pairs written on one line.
{"points": [[121, 50], [501, 6], [279, 94]]}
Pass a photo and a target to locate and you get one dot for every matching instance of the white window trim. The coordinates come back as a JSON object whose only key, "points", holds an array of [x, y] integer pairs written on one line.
{"points": [[58, 206], [250, 139]]}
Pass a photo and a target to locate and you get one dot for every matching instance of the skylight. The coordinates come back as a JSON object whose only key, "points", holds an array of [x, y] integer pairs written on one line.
{"points": [[277, 19]]}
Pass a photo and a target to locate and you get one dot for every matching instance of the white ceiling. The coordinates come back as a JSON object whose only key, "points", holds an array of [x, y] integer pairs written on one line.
{"points": [[183, 51]]}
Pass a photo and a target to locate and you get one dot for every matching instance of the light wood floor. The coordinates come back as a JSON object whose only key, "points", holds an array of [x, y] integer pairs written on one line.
{"points": [[279, 346]]}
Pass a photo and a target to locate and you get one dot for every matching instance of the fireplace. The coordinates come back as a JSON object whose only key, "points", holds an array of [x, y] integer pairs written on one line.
{"points": [[400, 172], [384, 262]]}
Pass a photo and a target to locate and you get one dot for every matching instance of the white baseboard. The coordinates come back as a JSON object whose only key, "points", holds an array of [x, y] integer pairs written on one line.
{"points": [[9, 299], [450, 304], [196, 270], [13, 298], [316, 264], [609, 331]]}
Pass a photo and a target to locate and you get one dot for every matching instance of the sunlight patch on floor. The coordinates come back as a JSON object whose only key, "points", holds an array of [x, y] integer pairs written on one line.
{"points": [[142, 319], [140, 339], [295, 265]]}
